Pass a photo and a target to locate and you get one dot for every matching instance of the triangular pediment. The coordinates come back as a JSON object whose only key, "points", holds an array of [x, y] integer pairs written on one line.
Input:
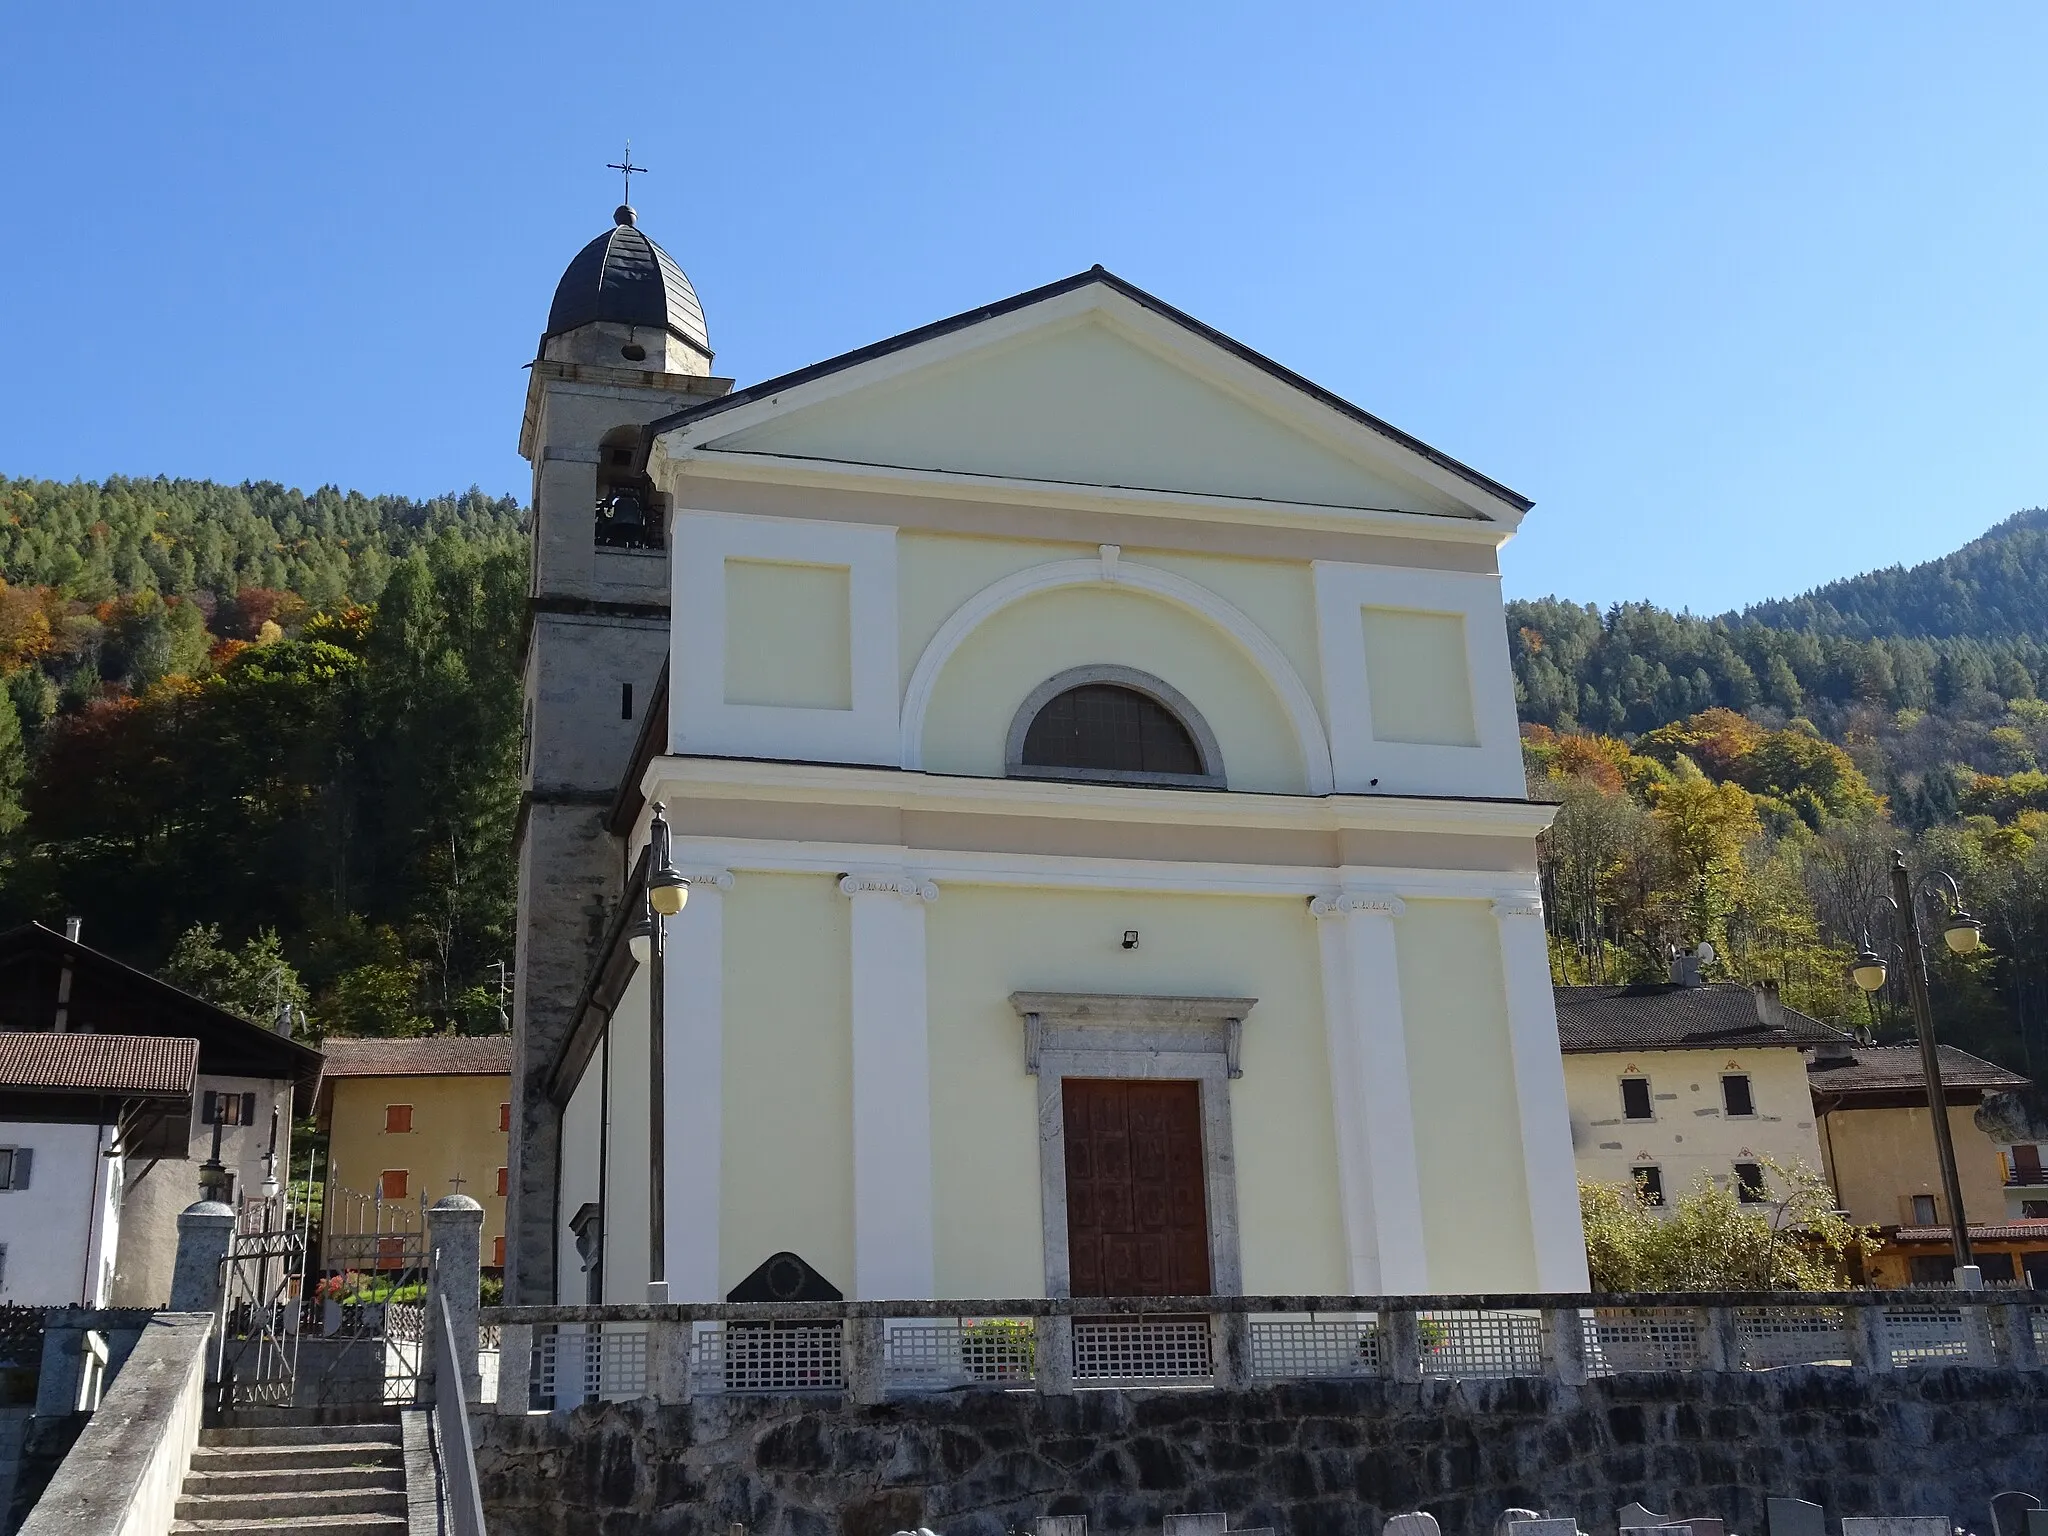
{"points": [[1090, 388]]}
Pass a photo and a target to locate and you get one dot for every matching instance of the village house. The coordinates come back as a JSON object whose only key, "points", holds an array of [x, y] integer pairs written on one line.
{"points": [[249, 1083], [408, 1120], [1091, 752], [1871, 1102], [1673, 1083]]}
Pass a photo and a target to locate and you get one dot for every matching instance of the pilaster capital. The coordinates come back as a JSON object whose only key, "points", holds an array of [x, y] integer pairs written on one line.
{"points": [[708, 874], [1346, 903], [1529, 905], [909, 887]]}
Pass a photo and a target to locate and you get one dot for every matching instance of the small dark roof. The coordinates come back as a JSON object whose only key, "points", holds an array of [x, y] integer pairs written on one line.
{"points": [[130, 1066], [624, 277], [1665, 1016], [2007, 1231], [1895, 1068], [427, 1056], [109, 997], [1131, 291]]}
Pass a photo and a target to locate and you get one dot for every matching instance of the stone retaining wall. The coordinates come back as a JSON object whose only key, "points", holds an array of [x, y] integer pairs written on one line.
{"points": [[1316, 1459]]}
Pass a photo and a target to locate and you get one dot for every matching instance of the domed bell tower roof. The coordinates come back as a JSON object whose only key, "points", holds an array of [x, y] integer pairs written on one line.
{"points": [[624, 278]]}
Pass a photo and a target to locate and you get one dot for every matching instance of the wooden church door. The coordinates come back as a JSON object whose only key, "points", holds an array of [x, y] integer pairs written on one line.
{"points": [[1137, 1207]]}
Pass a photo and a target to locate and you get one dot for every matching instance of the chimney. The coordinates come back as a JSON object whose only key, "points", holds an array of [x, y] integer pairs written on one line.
{"points": [[1770, 1011], [72, 925], [1685, 968]]}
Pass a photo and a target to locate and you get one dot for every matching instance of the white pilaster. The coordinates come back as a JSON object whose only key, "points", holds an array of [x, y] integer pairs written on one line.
{"points": [[1547, 1161], [694, 1031], [892, 1110], [1378, 1178]]}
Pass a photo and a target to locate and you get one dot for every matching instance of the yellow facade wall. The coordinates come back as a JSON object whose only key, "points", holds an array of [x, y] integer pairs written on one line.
{"points": [[937, 573], [1879, 1159], [788, 634], [787, 1175], [1461, 1075], [455, 1133], [986, 942], [1691, 1137], [987, 679]]}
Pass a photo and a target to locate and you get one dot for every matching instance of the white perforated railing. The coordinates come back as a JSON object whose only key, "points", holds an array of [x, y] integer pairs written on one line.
{"points": [[1142, 1350], [1292, 1348], [1642, 1339], [593, 1361], [768, 1357], [1926, 1335], [1471, 1344], [960, 1352], [1779, 1336]]}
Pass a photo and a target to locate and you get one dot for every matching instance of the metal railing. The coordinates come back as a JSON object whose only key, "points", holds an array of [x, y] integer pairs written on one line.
{"points": [[454, 1450], [560, 1356]]}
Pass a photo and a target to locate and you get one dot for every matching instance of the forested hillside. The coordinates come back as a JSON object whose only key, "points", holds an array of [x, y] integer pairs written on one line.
{"points": [[275, 733], [1741, 779]]}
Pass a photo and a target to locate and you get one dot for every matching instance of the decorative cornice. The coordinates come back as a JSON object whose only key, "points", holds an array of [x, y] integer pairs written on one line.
{"points": [[1344, 903], [1518, 906], [1127, 1021], [909, 887]]}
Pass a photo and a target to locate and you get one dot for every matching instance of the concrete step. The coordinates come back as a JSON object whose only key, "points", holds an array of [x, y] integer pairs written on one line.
{"points": [[323, 1525], [292, 1479], [304, 1434], [295, 1505], [295, 1458]]}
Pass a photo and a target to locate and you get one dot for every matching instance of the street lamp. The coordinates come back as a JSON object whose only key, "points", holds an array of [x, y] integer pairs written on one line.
{"points": [[667, 891], [1962, 933]]}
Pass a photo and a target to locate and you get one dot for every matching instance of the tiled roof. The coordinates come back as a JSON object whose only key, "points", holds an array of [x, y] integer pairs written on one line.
{"points": [[1666, 1016], [427, 1056], [151, 1066], [1876, 1068], [2010, 1231]]}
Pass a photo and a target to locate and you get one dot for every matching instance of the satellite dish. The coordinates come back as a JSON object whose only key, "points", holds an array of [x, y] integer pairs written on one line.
{"points": [[1705, 953]]}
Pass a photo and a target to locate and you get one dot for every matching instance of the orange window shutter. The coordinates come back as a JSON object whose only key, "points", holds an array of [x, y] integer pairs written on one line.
{"points": [[393, 1183], [397, 1119], [501, 1181], [498, 1253], [504, 1117]]}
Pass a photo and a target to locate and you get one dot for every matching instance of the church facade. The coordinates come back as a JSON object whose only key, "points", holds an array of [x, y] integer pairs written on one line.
{"points": [[1092, 754]]}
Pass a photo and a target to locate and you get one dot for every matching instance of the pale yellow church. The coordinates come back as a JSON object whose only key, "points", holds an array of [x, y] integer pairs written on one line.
{"points": [[1091, 749]]}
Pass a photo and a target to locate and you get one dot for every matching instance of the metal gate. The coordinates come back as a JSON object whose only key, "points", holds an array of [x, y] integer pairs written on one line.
{"points": [[363, 1336], [263, 1277]]}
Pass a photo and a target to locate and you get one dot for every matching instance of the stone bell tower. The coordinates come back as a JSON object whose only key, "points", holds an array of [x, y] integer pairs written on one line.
{"points": [[625, 343]]}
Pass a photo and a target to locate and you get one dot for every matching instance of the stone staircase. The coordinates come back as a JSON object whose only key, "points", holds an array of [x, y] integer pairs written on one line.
{"points": [[334, 1479]]}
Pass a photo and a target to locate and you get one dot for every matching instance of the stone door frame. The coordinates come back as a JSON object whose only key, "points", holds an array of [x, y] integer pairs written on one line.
{"points": [[1114, 1035]]}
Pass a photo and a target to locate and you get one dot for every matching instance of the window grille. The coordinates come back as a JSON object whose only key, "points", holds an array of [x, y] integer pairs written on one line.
{"points": [[1642, 1339], [1649, 1179], [1143, 1350], [1314, 1348], [1105, 728], [1780, 1336], [1465, 1345], [768, 1357], [576, 1364], [1926, 1335], [954, 1352]]}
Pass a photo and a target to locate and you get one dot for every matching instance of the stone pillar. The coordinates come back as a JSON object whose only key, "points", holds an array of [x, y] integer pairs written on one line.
{"points": [[694, 1066], [1564, 1345], [63, 1350], [892, 1114], [1548, 1170], [1379, 1181], [1053, 1363], [455, 1235], [669, 1345], [1230, 1349], [867, 1371], [1720, 1339], [1870, 1345], [197, 1275], [515, 1368], [2012, 1332], [1400, 1346]]}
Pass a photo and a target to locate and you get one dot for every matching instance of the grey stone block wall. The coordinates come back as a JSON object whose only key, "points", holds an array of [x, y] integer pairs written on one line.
{"points": [[1315, 1459]]}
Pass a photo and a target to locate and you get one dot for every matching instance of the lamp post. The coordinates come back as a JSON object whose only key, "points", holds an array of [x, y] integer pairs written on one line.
{"points": [[1962, 933], [667, 891]]}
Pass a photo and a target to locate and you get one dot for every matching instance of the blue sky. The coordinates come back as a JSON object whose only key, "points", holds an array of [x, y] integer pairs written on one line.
{"points": [[1746, 297]]}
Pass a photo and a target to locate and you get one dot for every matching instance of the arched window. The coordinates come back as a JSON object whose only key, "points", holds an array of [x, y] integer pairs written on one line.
{"points": [[1112, 725], [630, 513]]}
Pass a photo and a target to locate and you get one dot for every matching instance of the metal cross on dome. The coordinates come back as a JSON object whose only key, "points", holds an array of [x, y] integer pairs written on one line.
{"points": [[628, 169]]}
